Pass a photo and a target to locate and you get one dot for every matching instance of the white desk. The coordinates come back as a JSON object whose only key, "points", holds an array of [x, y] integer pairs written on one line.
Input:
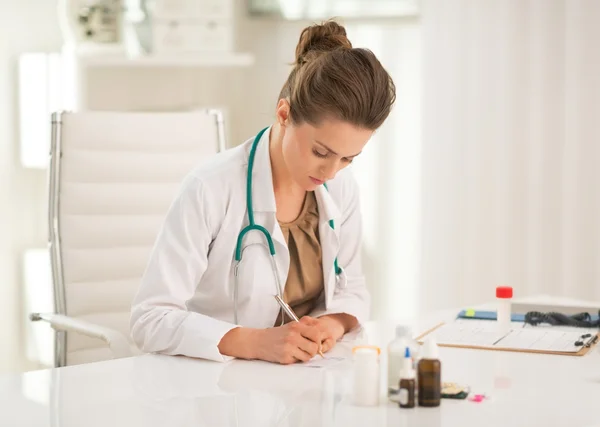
{"points": [[153, 391]]}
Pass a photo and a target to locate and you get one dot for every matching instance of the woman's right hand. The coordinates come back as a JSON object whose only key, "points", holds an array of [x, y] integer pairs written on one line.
{"points": [[290, 343]]}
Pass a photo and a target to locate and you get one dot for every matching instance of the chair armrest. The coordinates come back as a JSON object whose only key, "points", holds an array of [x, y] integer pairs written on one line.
{"points": [[117, 342]]}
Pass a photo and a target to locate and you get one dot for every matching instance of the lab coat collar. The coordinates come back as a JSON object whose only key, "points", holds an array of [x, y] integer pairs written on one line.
{"points": [[328, 210], [330, 238]]}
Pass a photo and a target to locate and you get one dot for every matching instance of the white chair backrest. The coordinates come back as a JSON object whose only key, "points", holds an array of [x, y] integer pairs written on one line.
{"points": [[110, 188]]}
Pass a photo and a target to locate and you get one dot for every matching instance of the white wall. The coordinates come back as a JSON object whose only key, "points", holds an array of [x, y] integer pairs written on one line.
{"points": [[511, 188], [249, 94], [25, 25]]}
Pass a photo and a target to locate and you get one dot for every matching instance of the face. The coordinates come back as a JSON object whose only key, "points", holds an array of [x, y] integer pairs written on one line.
{"points": [[315, 154]]}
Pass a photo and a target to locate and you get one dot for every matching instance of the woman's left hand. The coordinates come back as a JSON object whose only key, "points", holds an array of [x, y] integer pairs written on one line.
{"points": [[333, 327]]}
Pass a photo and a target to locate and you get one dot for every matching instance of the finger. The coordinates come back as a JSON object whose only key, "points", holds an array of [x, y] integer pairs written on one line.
{"points": [[327, 345], [292, 354], [301, 355], [312, 333], [309, 347], [323, 327]]}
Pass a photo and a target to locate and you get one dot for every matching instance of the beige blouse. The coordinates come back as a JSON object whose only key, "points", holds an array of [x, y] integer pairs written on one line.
{"points": [[304, 283]]}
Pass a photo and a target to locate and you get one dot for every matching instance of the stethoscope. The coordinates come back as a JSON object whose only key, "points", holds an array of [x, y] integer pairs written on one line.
{"points": [[252, 225]]}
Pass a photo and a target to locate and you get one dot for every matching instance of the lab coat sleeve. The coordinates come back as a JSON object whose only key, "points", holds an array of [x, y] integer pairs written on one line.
{"points": [[354, 298], [160, 321]]}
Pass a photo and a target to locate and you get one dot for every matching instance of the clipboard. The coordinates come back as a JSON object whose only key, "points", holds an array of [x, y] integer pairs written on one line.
{"points": [[593, 341]]}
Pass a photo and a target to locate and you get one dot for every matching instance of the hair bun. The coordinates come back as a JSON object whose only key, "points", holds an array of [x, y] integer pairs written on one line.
{"points": [[321, 38]]}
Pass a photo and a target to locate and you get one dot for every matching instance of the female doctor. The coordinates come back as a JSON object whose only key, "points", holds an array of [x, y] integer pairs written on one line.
{"points": [[208, 290]]}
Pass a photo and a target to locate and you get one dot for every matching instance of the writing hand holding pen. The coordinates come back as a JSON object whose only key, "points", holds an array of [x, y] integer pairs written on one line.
{"points": [[288, 310]]}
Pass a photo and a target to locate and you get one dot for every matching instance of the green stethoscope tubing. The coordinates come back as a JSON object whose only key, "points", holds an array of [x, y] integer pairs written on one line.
{"points": [[253, 226]]}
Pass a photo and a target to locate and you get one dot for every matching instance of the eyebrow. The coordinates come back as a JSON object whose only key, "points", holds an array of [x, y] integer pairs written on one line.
{"points": [[333, 152]]}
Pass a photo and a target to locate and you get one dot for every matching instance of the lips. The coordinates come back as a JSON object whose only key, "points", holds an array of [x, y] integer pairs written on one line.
{"points": [[316, 181]]}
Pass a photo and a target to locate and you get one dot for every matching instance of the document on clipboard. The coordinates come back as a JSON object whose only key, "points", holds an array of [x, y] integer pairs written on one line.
{"points": [[484, 334]]}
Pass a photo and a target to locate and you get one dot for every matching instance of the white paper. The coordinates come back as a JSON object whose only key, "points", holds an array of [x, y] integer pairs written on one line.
{"points": [[485, 333], [544, 339], [470, 333], [319, 362]]}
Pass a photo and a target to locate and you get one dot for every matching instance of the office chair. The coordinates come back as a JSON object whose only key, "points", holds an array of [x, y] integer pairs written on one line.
{"points": [[112, 178]]}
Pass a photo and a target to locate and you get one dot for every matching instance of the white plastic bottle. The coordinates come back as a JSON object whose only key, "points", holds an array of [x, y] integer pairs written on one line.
{"points": [[395, 352], [504, 298], [365, 376]]}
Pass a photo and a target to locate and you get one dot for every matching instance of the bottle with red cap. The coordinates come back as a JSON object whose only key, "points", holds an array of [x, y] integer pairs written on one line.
{"points": [[504, 296]]}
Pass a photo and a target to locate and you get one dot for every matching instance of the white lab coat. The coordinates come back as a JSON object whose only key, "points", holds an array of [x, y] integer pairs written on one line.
{"points": [[185, 302]]}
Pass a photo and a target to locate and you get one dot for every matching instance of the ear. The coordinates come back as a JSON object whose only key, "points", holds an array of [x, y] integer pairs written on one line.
{"points": [[282, 112]]}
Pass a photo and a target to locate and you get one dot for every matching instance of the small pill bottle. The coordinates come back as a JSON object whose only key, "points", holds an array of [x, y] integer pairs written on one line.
{"points": [[407, 383], [366, 375], [504, 296], [395, 355]]}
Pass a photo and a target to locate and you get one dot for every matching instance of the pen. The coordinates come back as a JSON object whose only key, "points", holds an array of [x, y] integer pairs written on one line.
{"points": [[288, 310]]}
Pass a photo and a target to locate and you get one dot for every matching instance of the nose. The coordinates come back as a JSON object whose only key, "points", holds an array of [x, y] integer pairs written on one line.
{"points": [[330, 169]]}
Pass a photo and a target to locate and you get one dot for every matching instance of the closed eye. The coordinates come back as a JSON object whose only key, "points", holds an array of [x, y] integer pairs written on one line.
{"points": [[319, 154]]}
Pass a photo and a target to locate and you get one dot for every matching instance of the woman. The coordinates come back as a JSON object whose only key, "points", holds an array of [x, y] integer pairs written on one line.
{"points": [[334, 99]]}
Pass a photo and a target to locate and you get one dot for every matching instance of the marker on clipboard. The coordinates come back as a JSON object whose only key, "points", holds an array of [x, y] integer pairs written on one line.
{"points": [[487, 315]]}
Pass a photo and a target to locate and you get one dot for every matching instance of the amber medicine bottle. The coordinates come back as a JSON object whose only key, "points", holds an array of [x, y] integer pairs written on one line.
{"points": [[430, 375]]}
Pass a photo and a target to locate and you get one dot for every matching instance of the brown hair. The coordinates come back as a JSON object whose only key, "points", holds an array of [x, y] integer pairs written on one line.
{"points": [[331, 79]]}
